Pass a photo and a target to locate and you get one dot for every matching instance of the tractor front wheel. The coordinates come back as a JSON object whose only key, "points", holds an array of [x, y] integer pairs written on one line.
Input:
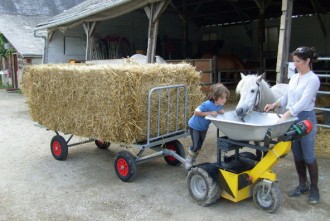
{"points": [[267, 197]]}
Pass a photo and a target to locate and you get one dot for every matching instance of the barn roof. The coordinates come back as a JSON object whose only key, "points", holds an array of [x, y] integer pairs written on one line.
{"points": [[18, 20], [212, 12], [202, 13], [19, 31], [93, 10], [36, 7]]}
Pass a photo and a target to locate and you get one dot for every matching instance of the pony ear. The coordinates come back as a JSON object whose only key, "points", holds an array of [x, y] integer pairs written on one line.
{"points": [[261, 77], [242, 75]]}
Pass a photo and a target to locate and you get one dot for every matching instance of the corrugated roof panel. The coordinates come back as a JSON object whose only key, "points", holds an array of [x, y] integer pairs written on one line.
{"points": [[36, 7], [89, 8], [19, 31]]}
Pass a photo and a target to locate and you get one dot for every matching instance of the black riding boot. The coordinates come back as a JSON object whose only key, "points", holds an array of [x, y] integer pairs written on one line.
{"points": [[303, 184], [314, 195]]}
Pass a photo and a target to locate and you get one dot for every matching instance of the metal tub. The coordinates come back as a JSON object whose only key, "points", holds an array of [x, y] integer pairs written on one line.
{"points": [[253, 128]]}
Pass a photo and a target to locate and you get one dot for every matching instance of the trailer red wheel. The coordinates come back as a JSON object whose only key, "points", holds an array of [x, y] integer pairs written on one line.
{"points": [[125, 166], [102, 144], [178, 148], [59, 148]]}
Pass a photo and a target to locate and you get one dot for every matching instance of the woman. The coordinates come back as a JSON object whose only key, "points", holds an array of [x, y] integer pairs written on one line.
{"points": [[300, 102]]}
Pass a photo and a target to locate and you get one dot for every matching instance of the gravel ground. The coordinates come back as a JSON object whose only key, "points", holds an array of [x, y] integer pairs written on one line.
{"points": [[35, 186]]}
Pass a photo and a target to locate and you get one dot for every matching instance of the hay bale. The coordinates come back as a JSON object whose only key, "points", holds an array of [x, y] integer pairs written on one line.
{"points": [[322, 145], [107, 102]]}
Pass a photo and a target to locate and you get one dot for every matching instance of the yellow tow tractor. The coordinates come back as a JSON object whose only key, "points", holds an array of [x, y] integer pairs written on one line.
{"points": [[242, 175]]}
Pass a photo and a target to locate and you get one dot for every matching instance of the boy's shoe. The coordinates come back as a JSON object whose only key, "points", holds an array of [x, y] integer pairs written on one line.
{"points": [[189, 162]]}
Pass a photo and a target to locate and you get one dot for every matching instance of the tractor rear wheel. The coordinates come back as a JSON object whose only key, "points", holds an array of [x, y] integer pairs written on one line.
{"points": [[202, 187]]}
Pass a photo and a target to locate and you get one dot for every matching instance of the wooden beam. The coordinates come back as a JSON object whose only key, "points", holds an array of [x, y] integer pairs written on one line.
{"points": [[88, 28], [284, 41], [154, 11], [324, 30]]}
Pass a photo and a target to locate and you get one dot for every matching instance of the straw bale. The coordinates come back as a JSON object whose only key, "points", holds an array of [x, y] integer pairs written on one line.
{"points": [[107, 102], [322, 146]]}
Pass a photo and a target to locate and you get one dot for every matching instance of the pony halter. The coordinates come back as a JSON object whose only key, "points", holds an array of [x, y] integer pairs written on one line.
{"points": [[257, 98]]}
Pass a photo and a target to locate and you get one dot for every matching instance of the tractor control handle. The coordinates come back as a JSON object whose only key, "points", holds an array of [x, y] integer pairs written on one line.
{"points": [[298, 130]]}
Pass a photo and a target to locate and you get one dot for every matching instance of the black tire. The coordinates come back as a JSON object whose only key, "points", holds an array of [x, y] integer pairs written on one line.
{"points": [[59, 148], [178, 148], [202, 188], [102, 144], [125, 166], [271, 202], [248, 155]]}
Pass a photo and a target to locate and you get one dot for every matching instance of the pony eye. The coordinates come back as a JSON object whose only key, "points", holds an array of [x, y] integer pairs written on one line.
{"points": [[252, 91]]}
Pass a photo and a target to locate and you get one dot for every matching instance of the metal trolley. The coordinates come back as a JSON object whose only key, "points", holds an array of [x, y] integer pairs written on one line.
{"points": [[164, 145]]}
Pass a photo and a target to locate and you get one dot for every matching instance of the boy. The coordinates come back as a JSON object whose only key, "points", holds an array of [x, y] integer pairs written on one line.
{"points": [[198, 125]]}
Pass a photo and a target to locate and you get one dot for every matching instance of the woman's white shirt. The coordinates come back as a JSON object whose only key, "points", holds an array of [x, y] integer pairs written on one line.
{"points": [[302, 92]]}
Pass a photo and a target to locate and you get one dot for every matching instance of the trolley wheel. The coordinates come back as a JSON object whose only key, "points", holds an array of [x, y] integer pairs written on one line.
{"points": [[102, 144], [268, 200], [59, 148], [178, 148], [125, 166], [202, 188]]}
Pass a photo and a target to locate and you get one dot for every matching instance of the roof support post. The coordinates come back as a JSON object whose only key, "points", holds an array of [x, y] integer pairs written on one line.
{"points": [[153, 11], [89, 28], [284, 41], [262, 5]]}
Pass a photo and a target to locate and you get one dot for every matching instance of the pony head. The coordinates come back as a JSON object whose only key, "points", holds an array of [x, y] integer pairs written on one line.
{"points": [[249, 90]]}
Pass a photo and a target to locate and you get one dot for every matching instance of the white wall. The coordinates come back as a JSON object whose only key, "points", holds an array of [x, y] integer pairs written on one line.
{"points": [[59, 51]]}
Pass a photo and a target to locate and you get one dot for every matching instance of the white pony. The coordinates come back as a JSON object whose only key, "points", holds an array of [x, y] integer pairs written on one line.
{"points": [[255, 93]]}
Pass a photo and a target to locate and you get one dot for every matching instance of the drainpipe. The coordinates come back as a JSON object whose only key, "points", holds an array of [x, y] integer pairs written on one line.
{"points": [[45, 51]]}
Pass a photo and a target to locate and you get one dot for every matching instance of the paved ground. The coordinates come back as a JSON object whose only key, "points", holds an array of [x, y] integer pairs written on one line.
{"points": [[35, 186]]}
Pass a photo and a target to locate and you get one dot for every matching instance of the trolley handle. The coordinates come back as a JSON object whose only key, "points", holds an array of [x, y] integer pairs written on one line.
{"points": [[298, 130]]}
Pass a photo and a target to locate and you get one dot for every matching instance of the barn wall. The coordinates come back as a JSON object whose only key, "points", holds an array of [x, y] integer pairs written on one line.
{"points": [[307, 31], [304, 31], [133, 27], [234, 39], [66, 46]]}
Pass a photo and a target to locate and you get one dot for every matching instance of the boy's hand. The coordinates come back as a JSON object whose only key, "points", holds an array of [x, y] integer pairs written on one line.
{"points": [[214, 113], [221, 111]]}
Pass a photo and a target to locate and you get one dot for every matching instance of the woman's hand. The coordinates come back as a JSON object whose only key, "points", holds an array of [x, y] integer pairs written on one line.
{"points": [[284, 117], [269, 107]]}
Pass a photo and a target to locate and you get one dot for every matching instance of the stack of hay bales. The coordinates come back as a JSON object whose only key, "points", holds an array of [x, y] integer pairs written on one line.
{"points": [[106, 102]]}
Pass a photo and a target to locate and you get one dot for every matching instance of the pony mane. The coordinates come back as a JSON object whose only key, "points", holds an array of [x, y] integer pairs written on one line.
{"points": [[249, 80]]}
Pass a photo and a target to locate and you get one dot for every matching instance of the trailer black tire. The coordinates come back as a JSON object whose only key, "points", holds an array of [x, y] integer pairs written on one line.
{"points": [[178, 148], [125, 166], [59, 147], [102, 144], [202, 187], [269, 203]]}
